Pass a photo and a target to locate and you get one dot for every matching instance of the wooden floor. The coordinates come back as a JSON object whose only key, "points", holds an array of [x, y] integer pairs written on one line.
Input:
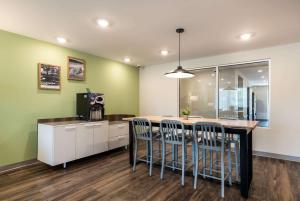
{"points": [[109, 177]]}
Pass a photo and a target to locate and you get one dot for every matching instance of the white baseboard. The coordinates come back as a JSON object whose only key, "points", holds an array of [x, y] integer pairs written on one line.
{"points": [[277, 156]]}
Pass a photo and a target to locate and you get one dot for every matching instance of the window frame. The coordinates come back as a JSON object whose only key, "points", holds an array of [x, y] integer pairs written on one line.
{"points": [[216, 67]]}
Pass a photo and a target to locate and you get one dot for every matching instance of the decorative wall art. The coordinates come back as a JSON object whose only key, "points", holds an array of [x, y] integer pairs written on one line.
{"points": [[76, 69], [49, 76]]}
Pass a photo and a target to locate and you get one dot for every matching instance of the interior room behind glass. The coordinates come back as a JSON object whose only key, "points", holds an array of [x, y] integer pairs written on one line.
{"points": [[199, 93], [243, 92]]}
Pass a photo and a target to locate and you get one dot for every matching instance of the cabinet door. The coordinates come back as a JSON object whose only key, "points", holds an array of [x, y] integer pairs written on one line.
{"points": [[64, 144], [100, 137], [118, 130], [84, 140], [117, 142]]}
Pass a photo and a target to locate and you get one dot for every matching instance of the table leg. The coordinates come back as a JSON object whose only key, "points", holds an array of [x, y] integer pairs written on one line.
{"points": [[250, 155], [246, 164]]}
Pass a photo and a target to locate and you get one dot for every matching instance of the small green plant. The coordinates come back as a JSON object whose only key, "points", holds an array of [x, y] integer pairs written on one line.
{"points": [[186, 111]]}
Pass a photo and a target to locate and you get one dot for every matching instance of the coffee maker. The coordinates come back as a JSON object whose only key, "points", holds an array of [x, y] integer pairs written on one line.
{"points": [[90, 106]]}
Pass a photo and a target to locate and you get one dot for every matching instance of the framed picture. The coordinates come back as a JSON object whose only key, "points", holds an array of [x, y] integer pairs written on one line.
{"points": [[49, 76], [76, 69]]}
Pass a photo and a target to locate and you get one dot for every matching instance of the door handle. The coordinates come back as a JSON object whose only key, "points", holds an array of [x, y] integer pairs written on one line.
{"points": [[70, 127]]}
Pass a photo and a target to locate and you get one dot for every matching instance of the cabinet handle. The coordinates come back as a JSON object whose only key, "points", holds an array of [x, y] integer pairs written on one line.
{"points": [[88, 125], [121, 126], [97, 124], [70, 127]]}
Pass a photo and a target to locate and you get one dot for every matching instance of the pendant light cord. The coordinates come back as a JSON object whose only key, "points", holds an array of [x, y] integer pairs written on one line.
{"points": [[179, 49], [179, 72]]}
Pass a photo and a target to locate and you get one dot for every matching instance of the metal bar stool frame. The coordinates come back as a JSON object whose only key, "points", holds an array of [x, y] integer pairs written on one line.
{"points": [[212, 137]]}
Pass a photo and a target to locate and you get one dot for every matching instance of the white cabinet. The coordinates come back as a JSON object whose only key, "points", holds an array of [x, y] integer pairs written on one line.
{"points": [[117, 142], [100, 137], [56, 144], [64, 144], [60, 143], [118, 135], [116, 130], [84, 140]]}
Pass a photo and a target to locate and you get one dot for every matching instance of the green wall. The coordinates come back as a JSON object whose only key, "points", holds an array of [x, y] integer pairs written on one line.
{"points": [[22, 103]]}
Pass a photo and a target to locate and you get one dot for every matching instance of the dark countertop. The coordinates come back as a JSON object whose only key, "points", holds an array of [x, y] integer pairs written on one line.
{"points": [[117, 122], [112, 119], [70, 122]]}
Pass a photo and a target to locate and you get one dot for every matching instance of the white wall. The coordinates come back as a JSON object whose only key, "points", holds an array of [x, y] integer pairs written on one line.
{"points": [[159, 95]]}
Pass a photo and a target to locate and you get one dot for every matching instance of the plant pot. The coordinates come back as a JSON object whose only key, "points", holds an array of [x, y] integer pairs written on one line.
{"points": [[185, 117]]}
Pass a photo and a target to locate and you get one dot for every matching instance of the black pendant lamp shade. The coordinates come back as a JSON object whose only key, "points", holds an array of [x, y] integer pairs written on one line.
{"points": [[179, 72]]}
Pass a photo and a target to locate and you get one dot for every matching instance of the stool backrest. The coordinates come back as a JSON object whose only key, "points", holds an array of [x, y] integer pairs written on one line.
{"points": [[142, 128], [211, 134], [172, 131]]}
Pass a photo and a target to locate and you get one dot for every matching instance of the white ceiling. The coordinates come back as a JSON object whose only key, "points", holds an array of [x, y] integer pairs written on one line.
{"points": [[141, 28]]}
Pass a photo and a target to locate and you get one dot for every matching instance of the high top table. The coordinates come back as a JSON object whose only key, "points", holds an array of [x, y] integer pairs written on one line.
{"points": [[242, 128]]}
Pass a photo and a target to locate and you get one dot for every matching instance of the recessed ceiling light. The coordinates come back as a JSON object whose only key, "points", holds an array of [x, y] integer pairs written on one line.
{"points": [[164, 52], [262, 77], [61, 40], [127, 59], [246, 36], [213, 75], [222, 79], [260, 71], [103, 23]]}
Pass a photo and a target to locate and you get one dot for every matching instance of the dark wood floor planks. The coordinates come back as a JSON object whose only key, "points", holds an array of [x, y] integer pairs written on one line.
{"points": [[109, 177]]}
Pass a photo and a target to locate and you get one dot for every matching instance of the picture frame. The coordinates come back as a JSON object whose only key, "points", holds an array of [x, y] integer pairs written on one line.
{"points": [[49, 76], [76, 69]]}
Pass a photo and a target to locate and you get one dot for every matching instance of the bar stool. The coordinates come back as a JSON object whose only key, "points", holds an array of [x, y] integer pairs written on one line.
{"points": [[142, 130], [232, 139], [211, 137], [173, 133], [235, 141]]}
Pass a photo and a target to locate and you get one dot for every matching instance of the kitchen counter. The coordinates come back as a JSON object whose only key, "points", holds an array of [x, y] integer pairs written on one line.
{"points": [[61, 140], [70, 122], [113, 119], [116, 122]]}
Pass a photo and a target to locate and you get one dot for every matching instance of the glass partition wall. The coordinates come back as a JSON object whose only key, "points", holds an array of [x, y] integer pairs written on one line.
{"points": [[238, 91], [199, 93]]}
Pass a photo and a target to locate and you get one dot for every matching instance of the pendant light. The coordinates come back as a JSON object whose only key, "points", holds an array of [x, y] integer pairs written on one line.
{"points": [[179, 72]]}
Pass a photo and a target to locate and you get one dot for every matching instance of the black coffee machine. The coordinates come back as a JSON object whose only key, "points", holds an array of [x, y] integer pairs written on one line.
{"points": [[90, 106]]}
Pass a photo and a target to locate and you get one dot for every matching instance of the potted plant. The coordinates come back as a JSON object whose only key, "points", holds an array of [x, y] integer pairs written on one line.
{"points": [[185, 113]]}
